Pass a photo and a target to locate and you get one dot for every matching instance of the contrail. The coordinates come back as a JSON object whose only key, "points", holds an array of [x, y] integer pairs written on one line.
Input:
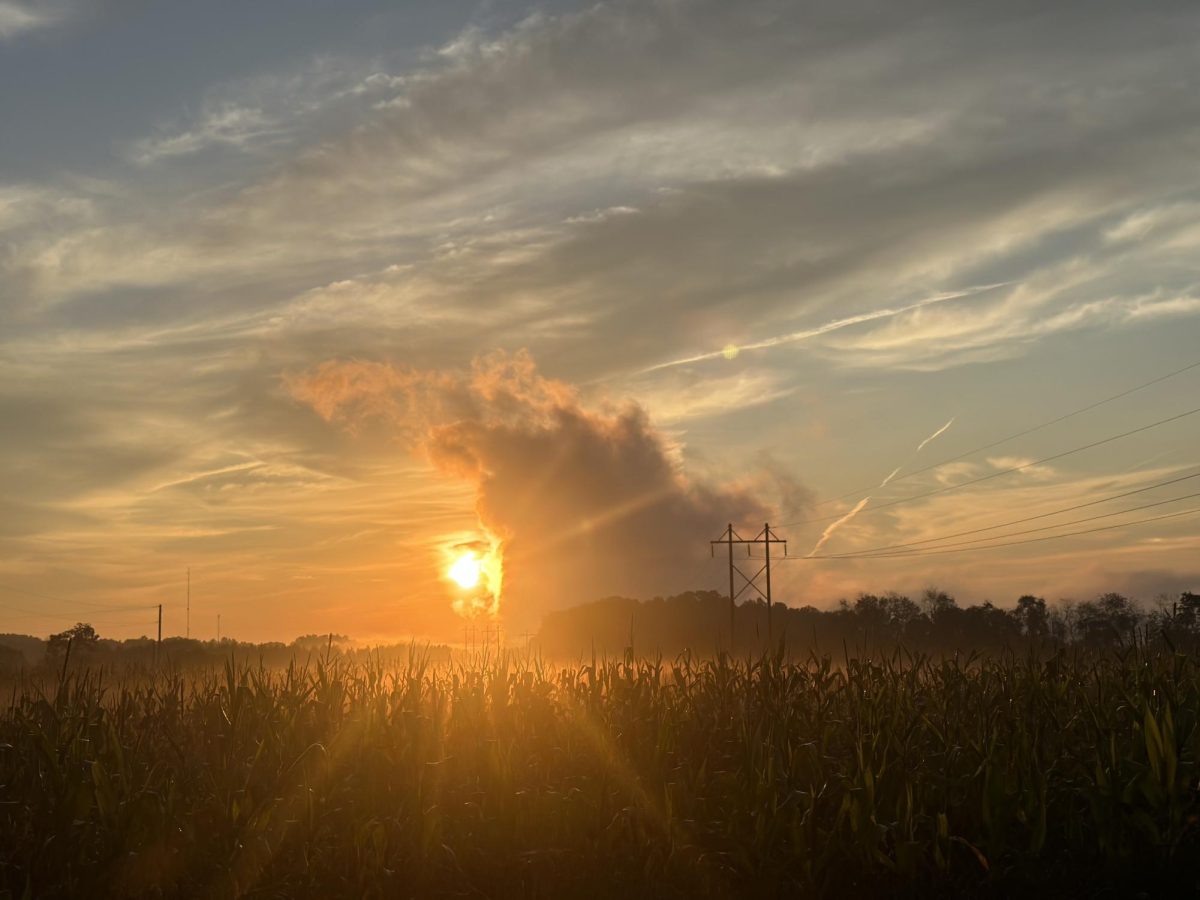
{"points": [[920, 447], [835, 325], [834, 526], [828, 532], [940, 431]]}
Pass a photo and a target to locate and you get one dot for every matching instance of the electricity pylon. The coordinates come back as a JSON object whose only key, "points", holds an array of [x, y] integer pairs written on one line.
{"points": [[766, 537]]}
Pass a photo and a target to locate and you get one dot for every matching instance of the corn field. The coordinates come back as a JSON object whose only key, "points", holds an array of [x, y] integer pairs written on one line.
{"points": [[1073, 775]]}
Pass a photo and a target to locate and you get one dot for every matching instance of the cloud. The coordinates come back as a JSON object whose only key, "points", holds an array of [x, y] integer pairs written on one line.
{"points": [[634, 184], [18, 18], [689, 397], [587, 501], [826, 328], [26, 207], [267, 114], [804, 180], [1065, 568], [1023, 463], [230, 126]]}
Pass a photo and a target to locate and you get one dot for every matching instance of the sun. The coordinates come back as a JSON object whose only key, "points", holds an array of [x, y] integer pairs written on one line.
{"points": [[476, 567], [466, 570]]}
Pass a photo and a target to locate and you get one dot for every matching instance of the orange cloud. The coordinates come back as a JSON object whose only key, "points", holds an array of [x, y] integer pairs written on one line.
{"points": [[586, 501]]}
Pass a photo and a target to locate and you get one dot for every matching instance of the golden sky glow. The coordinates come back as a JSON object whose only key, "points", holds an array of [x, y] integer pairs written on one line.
{"points": [[565, 290]]}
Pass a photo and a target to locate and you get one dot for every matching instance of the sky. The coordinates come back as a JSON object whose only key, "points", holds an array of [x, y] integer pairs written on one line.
{"points": [[307, 298]]}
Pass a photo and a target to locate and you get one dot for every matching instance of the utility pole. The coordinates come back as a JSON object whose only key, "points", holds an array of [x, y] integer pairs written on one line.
{"points": [[491, 631], [766, 537], [767, 555], [160, 624], [188, 631], [732, 595], [218, 628]]}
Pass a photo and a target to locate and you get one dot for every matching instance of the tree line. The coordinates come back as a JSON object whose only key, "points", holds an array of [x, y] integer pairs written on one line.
{"points": [[82, 644], [699, 621]]}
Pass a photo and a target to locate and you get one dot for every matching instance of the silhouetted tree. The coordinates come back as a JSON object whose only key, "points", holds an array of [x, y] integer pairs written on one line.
{"points": [[985, 626], [319, 641], [1107, 620], [1187, 611], [1032, 617], [901, 611], [870, 616], [937, 604], [1062, 622], [80, 636]]}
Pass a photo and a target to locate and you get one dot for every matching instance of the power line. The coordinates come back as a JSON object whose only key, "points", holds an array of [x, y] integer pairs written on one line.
{"points": [[1025, 519], [143, 624], [73, 602], [24, 615], [6, 615], [1008, 471], [933, 551], [7, 609], [919, 550], [1013, 437]]}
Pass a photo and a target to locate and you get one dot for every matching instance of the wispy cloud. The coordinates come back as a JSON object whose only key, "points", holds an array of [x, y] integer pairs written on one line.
{"points": [[18, 18], [731, 351], [635, 191], [228, 126]]}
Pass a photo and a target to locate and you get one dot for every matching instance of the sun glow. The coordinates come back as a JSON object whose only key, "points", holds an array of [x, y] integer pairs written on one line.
{"points": [[466, 570], [476, 568]]}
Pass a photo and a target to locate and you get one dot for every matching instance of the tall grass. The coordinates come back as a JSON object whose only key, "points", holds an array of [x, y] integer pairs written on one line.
{"points": [[506, 777]]}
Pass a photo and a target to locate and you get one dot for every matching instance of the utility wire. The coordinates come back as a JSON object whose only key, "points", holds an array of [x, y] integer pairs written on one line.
{"points": [[1045, 515], [7, 610], [1013, 437], [1002, 472], [1050, 537], [5, 616], [916, 551], [75, 602]]}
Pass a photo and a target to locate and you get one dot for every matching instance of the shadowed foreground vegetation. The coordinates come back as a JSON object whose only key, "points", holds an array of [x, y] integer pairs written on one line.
{"points": [[1070, 775]]}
